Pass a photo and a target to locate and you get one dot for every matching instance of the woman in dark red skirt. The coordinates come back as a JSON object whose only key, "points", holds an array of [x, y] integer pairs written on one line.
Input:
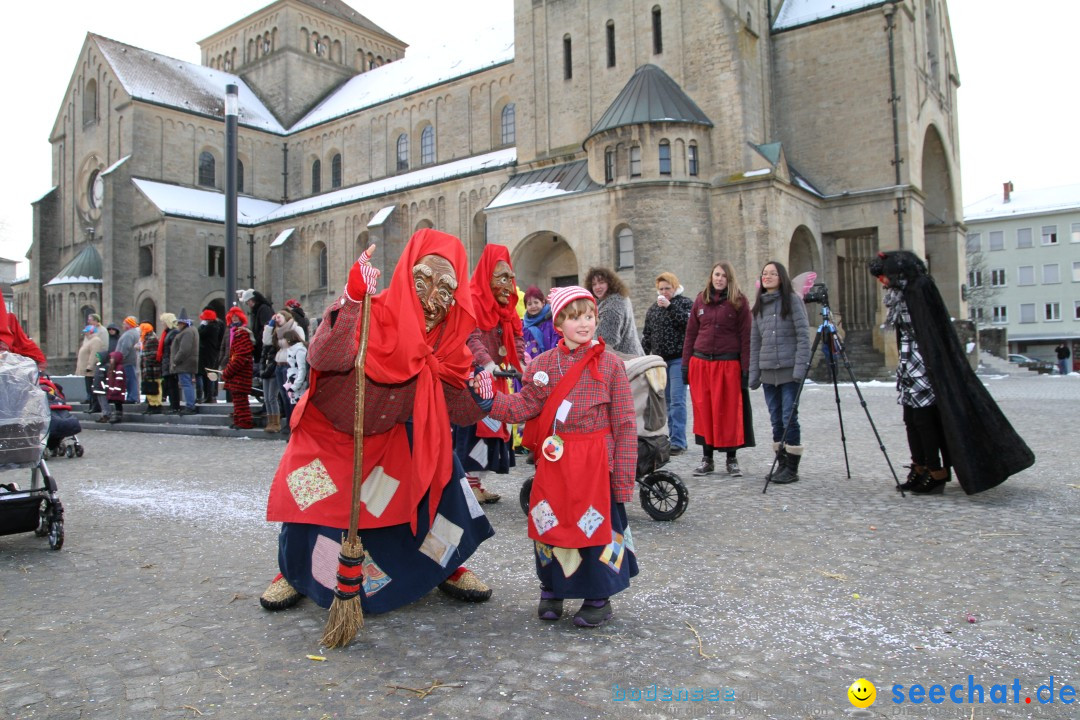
{"points": [[716, 360]]}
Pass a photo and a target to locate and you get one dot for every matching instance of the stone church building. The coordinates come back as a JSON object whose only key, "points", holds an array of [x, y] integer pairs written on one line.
{"points": [[641, 136]]}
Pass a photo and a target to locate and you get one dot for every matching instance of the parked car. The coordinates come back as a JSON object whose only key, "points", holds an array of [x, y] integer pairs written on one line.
{"points": [[1017, 358], [1043, 367]]}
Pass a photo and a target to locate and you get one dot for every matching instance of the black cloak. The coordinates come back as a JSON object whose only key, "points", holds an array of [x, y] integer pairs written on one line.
{"points": [[982, 445]]}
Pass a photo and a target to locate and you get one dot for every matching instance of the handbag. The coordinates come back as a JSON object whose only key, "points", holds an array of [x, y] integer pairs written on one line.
{"points": [[269, 365], [148, 387]]}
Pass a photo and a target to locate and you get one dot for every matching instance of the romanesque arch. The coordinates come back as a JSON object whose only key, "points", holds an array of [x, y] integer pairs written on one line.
{"points": [[803, 252], [545, 259], [944, 247]]}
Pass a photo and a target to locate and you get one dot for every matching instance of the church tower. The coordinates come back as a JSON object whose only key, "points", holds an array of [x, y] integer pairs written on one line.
{"points": [[293, 53]]}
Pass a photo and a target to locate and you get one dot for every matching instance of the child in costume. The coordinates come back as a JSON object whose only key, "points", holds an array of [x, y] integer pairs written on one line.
{"points": [[238, 371], [540, 335], [582, 429]]}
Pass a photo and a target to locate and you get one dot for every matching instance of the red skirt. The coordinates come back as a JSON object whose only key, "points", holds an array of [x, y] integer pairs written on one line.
{"points": [[716, 393]]}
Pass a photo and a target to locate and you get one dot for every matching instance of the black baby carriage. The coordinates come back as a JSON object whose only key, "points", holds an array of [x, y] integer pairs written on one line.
{"points": [[64, 427], [24, 425], [662, 493]]}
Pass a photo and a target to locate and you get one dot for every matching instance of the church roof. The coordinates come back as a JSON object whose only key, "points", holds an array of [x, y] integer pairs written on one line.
{"points": [[339, 9], [209, 205], [83, 268], [185, 86], [420, 68], [795, 13], [650, 96], [554, 181]]}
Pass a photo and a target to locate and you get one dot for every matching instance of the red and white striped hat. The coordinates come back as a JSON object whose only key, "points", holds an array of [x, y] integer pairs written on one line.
{"points": [[560, 297]]}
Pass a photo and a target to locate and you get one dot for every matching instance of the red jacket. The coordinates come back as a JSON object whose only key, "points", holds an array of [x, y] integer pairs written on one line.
{"points": [[717, 328]]}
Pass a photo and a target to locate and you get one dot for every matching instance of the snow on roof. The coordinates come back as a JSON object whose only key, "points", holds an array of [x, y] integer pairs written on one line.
{"points": [[547, 182], [804, 12], [380, 217], [282, 237], [186, 86], [115, 165], [1024, 202], [394, 183], [210, 204], [202, 204], [420, 68]]}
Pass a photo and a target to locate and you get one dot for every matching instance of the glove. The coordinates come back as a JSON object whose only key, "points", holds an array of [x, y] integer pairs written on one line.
{"points": [[482, 382], [745, 381], [756, 384], [686, 376], [363, 278]]}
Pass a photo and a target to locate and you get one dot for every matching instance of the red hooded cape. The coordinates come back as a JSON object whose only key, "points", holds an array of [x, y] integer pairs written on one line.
{"points": [[12, 335], [489, 312]]}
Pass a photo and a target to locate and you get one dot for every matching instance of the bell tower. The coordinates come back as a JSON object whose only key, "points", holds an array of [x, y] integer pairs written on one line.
{"points": [[293, 53]]}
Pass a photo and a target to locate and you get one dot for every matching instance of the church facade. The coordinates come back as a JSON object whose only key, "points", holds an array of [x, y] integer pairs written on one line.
{"points": [[641, 136]]}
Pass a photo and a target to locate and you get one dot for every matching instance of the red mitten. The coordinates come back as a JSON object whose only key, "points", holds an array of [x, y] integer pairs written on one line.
{"points": [[363, 278]]}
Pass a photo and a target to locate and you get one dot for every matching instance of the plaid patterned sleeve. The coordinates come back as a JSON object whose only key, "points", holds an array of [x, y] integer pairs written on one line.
{"points": [[623, 422], [527, 403], [333, 349], [479, 342]]}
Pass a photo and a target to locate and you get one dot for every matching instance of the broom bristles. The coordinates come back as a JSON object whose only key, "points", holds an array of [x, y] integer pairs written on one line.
{"points": [[346, 614]]}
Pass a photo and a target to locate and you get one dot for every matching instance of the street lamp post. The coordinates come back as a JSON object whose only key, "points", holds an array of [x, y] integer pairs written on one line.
{"points": [[231, 110]]}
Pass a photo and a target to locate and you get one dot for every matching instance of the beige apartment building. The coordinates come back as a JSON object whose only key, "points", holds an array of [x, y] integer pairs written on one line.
{"points": [[642, 136]]}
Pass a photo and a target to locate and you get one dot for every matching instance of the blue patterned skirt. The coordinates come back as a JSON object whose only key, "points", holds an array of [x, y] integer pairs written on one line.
{"points": [[594, 572]]}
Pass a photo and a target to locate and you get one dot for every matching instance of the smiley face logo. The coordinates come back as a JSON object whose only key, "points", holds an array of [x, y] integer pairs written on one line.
{"points": [[862, 693]]}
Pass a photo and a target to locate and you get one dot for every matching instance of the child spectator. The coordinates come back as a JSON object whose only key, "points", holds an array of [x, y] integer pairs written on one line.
{"points": [[539, 330], [115, 389], [296, 376], [151, 369], [238, 371], [583, 430]]}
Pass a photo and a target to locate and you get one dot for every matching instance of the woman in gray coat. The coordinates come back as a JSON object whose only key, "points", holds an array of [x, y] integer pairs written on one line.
{"points": [[779, 359], [614, 313]]}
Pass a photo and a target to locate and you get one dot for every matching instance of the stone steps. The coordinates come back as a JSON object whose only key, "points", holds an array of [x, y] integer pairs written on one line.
{"points": [[212, 420]]}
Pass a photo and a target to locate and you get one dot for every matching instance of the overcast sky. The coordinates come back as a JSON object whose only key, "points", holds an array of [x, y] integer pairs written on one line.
{"points": [[1019, 109]]}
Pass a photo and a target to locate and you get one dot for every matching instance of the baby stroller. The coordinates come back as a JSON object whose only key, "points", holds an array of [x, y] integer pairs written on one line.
{"points": [[24, 426], [662, 493], [64, 427]]}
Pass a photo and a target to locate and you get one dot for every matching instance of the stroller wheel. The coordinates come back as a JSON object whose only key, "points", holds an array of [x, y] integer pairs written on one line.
{"points": [[523, 496], [78, 450], [71, 451], [663, 495], [44, 516], [56, 534]]}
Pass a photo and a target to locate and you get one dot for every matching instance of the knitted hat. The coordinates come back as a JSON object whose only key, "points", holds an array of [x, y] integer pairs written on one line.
{"points": [[130, 321], [292, 303], [208, 315], [145, 328], [534, 293], [560, 297]]}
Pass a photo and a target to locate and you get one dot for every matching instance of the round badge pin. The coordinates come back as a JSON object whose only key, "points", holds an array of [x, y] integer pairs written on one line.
{"points": [[540, 378], [552, 448], [502, 351]]}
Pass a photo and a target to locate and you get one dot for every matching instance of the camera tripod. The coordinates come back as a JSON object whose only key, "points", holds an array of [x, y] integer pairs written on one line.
{"points": [[833, 347]]}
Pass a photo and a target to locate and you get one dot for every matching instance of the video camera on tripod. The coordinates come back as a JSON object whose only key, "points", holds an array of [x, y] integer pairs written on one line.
{"points": [[818, 293]]}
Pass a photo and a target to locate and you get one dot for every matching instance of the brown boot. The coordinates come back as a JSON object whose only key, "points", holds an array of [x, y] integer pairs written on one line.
{"points": [[273, 423]]}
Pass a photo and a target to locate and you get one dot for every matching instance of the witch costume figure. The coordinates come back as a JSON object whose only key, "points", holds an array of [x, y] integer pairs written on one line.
{"points": [[419, 519], [950, 417], [496, 342]]}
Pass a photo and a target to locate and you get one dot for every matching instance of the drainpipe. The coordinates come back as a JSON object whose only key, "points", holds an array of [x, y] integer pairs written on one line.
{"points": [[284, 173], [890, 13]]}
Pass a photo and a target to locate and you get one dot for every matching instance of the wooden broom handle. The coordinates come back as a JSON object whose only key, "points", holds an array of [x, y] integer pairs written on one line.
{"points": [[358, 422]]}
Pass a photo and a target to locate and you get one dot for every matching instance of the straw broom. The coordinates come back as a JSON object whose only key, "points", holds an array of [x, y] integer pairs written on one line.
{"points": [[346, 613]]}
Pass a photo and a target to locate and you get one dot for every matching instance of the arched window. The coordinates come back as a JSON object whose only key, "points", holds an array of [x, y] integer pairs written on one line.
{"points": [[665, 157], [321, 264], [508, 134], [146, 262], [427, 145], [567, 58], [692, 159], [207, 169], [316, 177], [403, 152], [624, 248], [611, 43], [335, 171], [239, 176], [89, 102], [657, 32]]}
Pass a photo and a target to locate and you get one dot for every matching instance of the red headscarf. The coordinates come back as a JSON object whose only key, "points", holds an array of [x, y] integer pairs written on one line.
{"points": [[489, 312], [12, 335], [399, 349]]}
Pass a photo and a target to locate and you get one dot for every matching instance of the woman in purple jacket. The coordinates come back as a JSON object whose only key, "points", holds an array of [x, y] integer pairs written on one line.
{"points": [[716, 360]]}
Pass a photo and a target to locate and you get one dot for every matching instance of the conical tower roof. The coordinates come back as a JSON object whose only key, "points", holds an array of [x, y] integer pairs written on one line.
{"points": [[83, 268], [650, 96]]}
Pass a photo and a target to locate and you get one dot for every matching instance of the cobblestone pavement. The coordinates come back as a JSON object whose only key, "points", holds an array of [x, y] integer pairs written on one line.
{"points": [[778, 601]]}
